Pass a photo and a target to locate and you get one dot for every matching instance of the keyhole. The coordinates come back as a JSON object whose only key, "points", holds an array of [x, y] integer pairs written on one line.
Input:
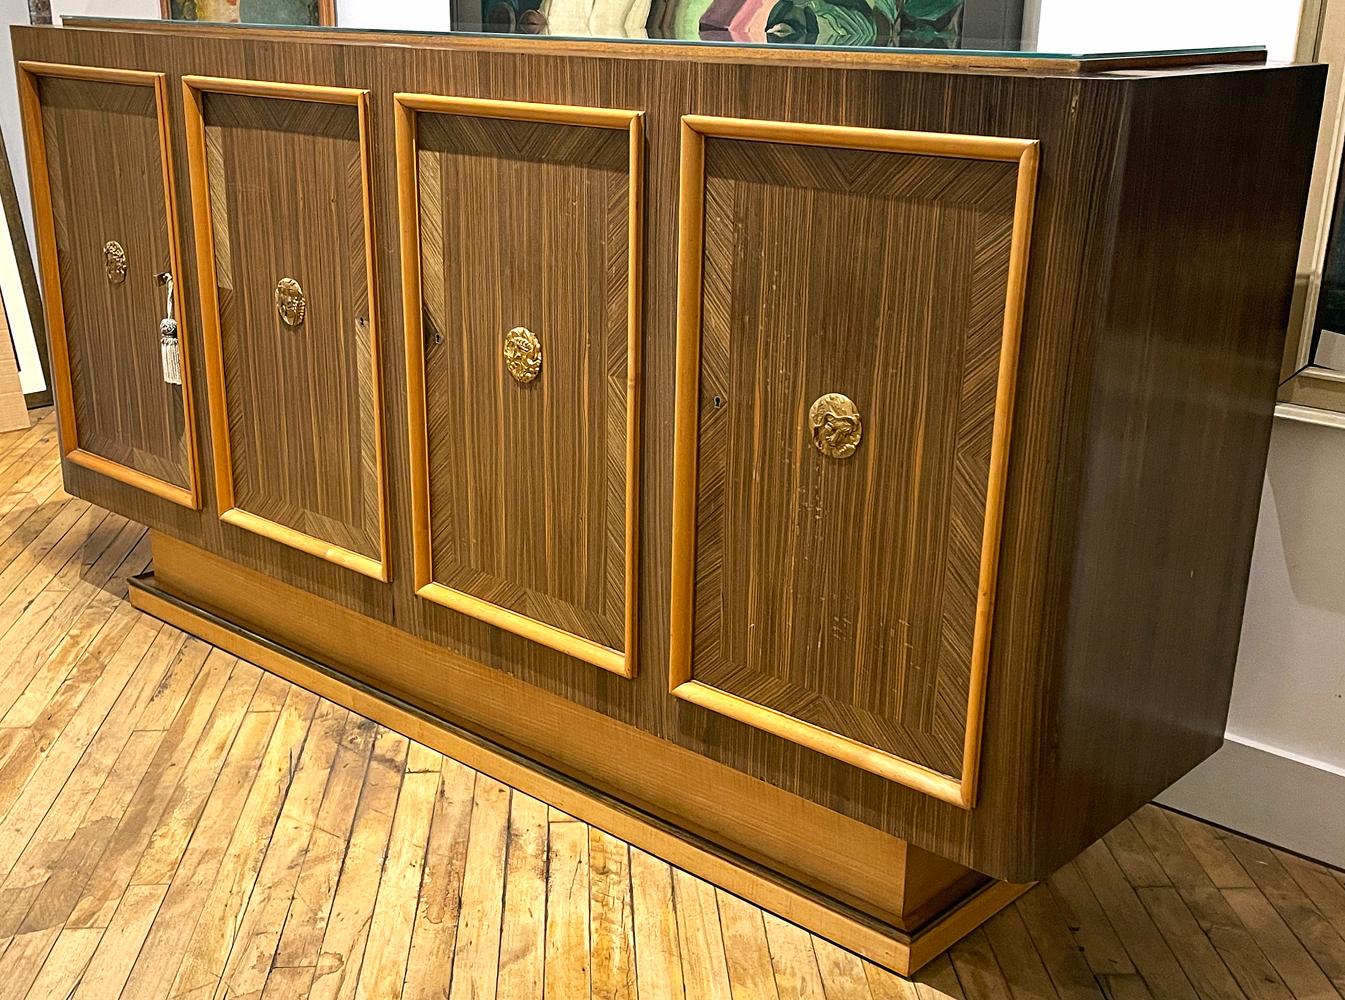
{"points": [[718, 402]]}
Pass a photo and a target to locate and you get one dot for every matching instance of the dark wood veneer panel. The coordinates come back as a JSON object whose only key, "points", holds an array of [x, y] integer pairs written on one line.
{"points": [[106, 176], [843, 592], [1181, 400], [286, 200], [527, 224]]}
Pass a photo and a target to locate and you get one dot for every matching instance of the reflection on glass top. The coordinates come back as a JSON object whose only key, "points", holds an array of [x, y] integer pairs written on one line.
{"points": [[1044, 29], [918, 24]]}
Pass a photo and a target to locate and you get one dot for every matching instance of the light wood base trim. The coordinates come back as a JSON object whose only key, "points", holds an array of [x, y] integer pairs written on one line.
{"points": [[530, 628], [901, 951], [314, 546], [889, 766], [133, 477]]}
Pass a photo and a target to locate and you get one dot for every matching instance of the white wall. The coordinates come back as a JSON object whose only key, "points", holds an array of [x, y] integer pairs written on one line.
{"points": [[1281, 774], [14, 12], [103, 8], [1129, 25], [16, 311], [1291, 680], [385, 14]]}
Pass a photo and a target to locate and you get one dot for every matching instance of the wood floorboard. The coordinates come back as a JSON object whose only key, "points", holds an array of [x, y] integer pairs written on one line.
{"points": [[175, 822]]}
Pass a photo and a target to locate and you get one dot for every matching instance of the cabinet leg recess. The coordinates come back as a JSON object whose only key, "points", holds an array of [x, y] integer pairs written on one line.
{"points": [[940, 902]]}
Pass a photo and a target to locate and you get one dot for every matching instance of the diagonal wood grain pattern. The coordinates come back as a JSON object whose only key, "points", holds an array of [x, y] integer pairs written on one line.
{"points": [[302, 426], [176, 823], [877, 576], [527, 482], [106, 177]]}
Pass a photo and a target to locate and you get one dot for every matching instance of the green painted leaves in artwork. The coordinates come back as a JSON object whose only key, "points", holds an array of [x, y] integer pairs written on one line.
{"points": [[913, 23], [930, 10]]}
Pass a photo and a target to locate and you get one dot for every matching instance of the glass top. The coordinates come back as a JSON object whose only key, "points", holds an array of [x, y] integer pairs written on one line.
{"points": [[1000, 29]]}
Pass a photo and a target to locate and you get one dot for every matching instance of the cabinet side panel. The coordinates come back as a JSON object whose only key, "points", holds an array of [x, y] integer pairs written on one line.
{"points": [[1182, 399]]}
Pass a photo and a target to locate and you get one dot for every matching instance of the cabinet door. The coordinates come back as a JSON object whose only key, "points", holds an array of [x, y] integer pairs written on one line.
{"points": [[104, 208], [520, 228], [280, 194], [850, 305]]}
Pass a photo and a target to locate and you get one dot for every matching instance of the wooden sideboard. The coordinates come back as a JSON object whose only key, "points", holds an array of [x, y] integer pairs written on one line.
{"points": [[836, 472]]}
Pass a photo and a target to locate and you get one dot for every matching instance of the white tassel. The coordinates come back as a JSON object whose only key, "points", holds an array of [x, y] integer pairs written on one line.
{"points": [[169, 350], [172, 357]]}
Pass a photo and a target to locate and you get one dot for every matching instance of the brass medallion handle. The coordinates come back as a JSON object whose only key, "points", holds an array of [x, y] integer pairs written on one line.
{"points": [[836, 425], [290, 302], [114, 262], [522, 354]]}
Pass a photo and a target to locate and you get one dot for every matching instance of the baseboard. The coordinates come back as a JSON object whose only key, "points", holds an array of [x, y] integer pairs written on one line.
{"points": [[1264, 792]]}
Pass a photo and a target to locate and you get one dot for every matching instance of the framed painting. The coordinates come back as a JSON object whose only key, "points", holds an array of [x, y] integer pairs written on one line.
{"points": [[313, 12], [1312, 377], [934, 24]]}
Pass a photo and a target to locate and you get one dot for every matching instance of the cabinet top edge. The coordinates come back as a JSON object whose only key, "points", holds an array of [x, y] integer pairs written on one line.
{"points": [[892, 59]]}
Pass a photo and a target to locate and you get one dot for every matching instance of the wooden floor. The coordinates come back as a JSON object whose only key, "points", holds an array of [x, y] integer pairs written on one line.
{"points": [[175, 822]]}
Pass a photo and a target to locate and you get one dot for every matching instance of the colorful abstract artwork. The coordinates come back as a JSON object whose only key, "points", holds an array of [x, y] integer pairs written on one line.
{"points": [[908, 23], [251, 11], [926, 24]]}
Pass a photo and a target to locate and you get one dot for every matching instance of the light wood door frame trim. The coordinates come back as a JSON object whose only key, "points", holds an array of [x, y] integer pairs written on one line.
{"points": [[407, 106], [958, 791], [193, 87], [30, 107]]}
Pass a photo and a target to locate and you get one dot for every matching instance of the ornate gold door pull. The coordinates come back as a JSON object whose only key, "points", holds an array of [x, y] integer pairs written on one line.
{"points": [[114, 262], [290, 302], [522, 354], [836, 425]]}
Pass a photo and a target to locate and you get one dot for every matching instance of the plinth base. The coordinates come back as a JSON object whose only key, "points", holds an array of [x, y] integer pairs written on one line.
{"points": [[937, 903]]}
